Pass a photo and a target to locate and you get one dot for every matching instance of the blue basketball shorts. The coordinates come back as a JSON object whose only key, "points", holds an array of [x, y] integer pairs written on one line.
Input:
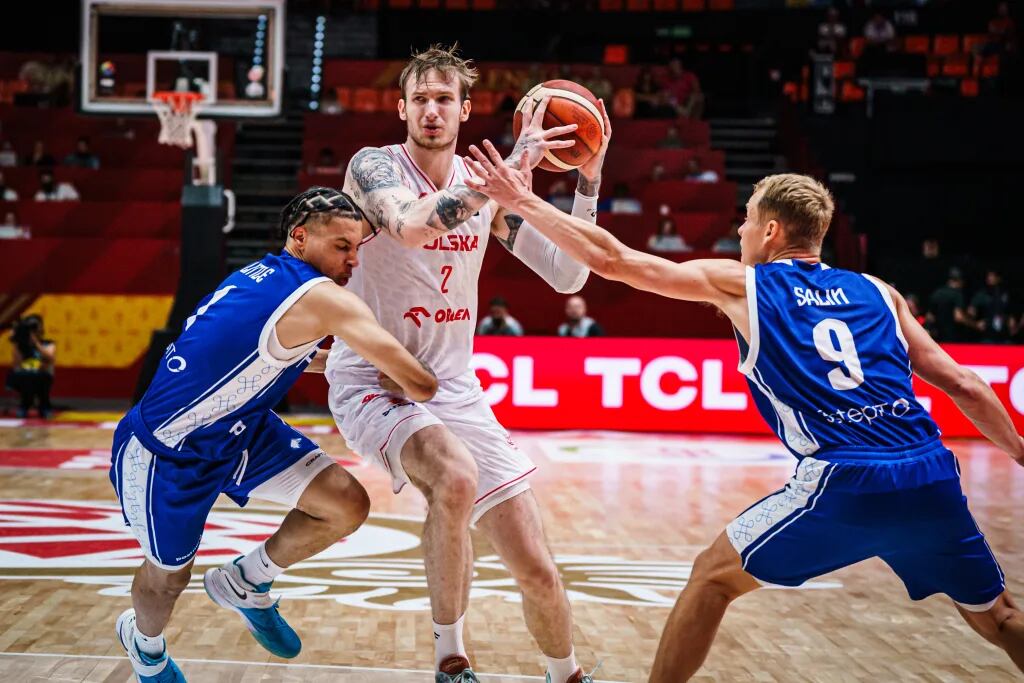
{"points": [[166, 497], [905, 507]]}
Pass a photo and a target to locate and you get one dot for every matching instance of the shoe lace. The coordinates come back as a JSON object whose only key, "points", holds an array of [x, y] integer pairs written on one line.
{"points": [[466, 676], [589, 678]]}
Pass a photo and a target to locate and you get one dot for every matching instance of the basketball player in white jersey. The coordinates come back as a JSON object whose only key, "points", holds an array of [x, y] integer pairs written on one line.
{"points": [[420, 277]]}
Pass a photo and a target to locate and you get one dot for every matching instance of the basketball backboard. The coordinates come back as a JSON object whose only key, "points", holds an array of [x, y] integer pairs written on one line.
{"points": [[230, 51]]}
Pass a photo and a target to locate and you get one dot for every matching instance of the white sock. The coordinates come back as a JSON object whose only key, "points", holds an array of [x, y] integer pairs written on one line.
{"points": [[258, 567], [448, 641], [561, 669], [152, 646]]}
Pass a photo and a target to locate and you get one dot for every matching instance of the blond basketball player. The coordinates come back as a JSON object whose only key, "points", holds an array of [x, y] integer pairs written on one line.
{"points": [[420, 278], [829, 355]]}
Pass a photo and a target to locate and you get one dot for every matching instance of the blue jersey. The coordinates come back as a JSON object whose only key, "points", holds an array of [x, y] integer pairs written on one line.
{"points": [[221, 376], [827, 362]]}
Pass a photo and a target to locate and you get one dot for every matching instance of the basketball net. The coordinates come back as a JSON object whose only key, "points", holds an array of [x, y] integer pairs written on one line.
{"points": [[177, 111]]}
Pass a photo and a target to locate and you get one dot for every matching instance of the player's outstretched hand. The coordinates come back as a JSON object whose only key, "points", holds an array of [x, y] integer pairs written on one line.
{"points": [[495, 178], [534, 139], [591, 171]]}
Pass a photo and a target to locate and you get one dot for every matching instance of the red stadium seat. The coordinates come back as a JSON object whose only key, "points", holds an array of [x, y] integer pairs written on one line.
{"points": [[720, 5], [389, 99], [946, 44], [975, 41], [344, 95], [841, 70], [666, 5], [934, 66], [693, 5], [484, 102], [638, 5], [990, 66], [616, 54], [366, 100], [485, 4], [957, 66], [969, 87], [850, 92], [917, 45], [856, 46], [457, 4]]}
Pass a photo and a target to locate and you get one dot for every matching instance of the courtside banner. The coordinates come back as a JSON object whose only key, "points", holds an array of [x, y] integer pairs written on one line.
{"points": [[677, 385]]}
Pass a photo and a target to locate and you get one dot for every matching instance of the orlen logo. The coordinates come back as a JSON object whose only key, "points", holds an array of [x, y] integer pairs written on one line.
{"points": [[454, 243], [442, 315]]}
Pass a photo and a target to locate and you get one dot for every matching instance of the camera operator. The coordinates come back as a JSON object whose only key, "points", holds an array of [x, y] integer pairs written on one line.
{"points": [[31, 373]]}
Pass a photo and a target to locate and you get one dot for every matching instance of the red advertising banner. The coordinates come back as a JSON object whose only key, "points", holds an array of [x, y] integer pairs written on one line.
{"points": [[675, 385]]}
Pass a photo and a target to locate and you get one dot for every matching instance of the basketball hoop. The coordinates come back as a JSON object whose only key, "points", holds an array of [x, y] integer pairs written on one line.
{"points": [[177, 112]]}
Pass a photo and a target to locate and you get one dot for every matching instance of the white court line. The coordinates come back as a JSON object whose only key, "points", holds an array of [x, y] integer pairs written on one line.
{"points": [[332, 667]]}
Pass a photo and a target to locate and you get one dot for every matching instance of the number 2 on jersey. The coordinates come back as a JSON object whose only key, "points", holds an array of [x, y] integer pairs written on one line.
{"points": [[446, 272], [839, 349]]}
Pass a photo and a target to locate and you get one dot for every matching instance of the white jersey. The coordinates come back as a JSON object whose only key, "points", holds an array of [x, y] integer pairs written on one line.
{"points": [[426, 296]]}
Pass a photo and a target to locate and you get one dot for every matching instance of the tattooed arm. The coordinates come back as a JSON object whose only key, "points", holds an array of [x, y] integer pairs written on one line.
{"points": [[374, 180]]}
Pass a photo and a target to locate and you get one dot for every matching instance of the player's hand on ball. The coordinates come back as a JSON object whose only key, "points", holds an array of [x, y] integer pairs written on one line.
{"points": [[495, 178], [591, 171], [534, 139]]}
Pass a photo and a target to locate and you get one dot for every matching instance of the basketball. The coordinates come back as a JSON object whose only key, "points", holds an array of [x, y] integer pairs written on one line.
{"points": [[570, 103]]}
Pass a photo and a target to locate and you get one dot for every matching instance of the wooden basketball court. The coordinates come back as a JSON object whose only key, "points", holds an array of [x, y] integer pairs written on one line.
{"points": [[625, 516]]}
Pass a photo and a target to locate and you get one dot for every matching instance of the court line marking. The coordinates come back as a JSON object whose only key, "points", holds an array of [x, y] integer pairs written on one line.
{"points": [[332, 667]]}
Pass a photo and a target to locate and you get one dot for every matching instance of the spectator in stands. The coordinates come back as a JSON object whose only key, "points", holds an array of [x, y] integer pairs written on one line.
{"points": [[52, 191], [560, 197], [914, 306], [621, 201], [832, 34], [667, 239], [730, 243], [990, 308], [82, 156], [696, 174], [946, 314], [671, 139], [499, 323], [577, 324], [1002, 31], [684, 91], [8, 157], [646, 92], [7, 194], [32, 365], [599, 85], [879, 34], [10, 220], [326, 162], [40, 157], [657, 172]]}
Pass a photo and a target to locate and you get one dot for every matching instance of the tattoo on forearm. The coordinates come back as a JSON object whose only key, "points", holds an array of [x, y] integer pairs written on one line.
{"points": [[514, 223], [456, 206], [588, 188], [373, 169]]}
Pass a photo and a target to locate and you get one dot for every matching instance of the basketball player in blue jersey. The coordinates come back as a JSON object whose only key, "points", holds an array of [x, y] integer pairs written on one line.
{"points": [[829, 355], [205, 426]]}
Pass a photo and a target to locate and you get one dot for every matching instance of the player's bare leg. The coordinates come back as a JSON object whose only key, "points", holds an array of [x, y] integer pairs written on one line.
{"points": [[333, 506], [440, 466], [1001, 625], [154, 592], [716, 580], [516, 531]]}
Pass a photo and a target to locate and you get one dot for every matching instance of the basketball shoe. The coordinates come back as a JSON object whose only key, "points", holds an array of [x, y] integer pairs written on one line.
{"points": [[228, 587], [148, 669], [455, 669], [578, 677]]}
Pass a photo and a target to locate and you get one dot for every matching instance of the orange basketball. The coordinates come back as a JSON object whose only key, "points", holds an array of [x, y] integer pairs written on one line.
{"points": [[570, 103]]}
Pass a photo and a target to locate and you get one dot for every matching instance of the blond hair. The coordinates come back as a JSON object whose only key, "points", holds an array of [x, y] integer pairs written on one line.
{"points": [[801, 203], [446, 61]]}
